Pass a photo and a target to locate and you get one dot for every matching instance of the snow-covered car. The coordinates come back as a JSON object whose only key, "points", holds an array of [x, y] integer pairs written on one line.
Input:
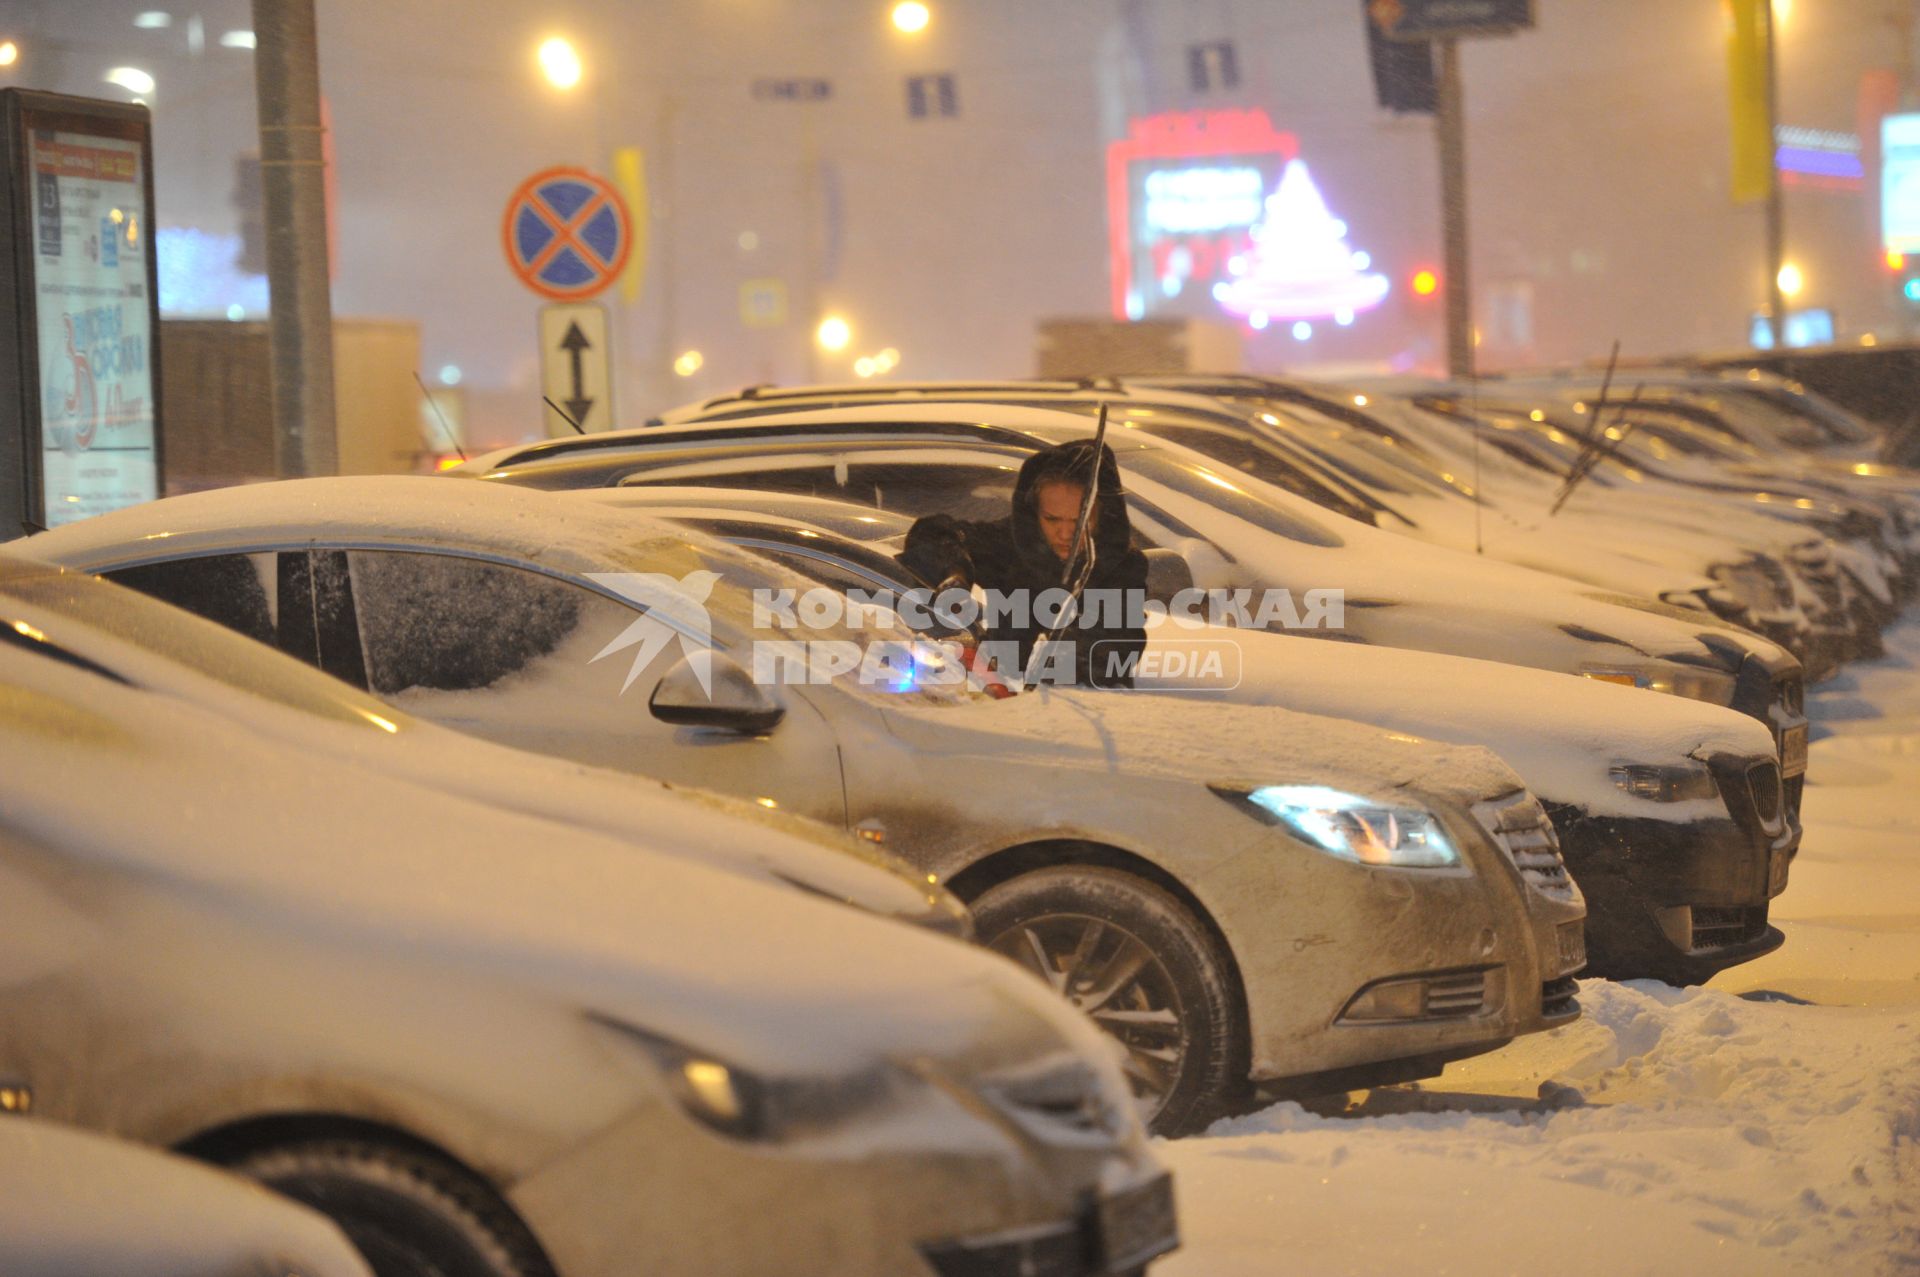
{"points": [[490, 1044], [1240, 895], [1669, 812], [74, 1204], [180, 654], [1765, 576], [1846, 564], [1233, 532]]}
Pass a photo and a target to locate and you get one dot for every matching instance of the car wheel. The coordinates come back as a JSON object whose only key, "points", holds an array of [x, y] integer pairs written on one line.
{"points": [[1143, 967], [409, 1214]]}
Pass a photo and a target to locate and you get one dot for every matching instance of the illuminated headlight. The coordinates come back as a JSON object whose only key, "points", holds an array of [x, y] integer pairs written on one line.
{"points": [[1675, 783], [1362, 830], [743, 1105], [1711, 686]]}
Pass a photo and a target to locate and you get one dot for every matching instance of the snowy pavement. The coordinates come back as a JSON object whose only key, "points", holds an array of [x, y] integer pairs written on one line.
{"points": [[1667, 1131]]}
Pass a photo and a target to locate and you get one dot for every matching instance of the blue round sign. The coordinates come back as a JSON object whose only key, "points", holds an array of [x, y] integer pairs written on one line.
{"points": [[566, 234]]}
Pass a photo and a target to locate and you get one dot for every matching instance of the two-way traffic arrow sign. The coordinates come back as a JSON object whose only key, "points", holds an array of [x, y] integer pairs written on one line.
{"points": [[576, 367]]}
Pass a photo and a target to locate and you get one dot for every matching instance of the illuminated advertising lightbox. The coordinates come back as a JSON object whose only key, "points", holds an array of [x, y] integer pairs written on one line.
{"points": [[81, 314], [1900, 183], [1214, 213]]}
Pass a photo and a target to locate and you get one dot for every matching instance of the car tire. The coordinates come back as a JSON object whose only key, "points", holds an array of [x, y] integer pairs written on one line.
{"points": [[409, 1213], [1080, 928]]}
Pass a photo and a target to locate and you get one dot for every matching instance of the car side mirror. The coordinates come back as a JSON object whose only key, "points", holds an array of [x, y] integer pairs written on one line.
{"points": [[729, 699], [1167, 574]]}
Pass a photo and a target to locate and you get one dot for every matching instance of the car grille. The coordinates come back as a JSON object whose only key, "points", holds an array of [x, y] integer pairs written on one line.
{"points": [[1455, 995], [1779, 703], [1559, 998], [1763, 782], [1715, 928], [1519, 824], [1049, 1252]]}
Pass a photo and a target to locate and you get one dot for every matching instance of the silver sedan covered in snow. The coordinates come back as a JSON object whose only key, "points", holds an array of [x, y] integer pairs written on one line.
{"points": [[488, 1043]]}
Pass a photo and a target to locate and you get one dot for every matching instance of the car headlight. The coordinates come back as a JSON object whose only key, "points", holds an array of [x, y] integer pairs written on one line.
{"points": [[1711, 686], [744, 1105], [1666, 783], [1365, 831]]}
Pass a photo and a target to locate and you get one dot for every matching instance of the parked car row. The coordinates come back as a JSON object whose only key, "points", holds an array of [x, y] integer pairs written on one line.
{"points": [[480, 849]]}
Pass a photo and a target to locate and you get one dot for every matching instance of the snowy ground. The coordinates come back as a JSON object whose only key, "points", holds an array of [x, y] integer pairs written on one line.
{"points": [[1769, 1123]]}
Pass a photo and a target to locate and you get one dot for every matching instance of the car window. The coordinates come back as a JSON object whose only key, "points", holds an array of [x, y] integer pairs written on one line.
{"points": [[166, 633], [1218, 490], [1263, 462], [454, 624], [234, 590]]}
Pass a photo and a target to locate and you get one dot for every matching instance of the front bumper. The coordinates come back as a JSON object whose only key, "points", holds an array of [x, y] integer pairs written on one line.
{"points": [[1401, 971], [936, 1175], [1676, 901], [1115, 1235]]}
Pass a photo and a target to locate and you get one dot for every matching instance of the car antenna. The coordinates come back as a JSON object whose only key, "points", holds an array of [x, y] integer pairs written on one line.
{"points": [[577, 427], [445, 429], [1081, 553]]}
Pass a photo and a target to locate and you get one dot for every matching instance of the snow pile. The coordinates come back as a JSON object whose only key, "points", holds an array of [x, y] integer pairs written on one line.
{"points": [[1678, 1131], [1852, 907], [1667, 1130]]}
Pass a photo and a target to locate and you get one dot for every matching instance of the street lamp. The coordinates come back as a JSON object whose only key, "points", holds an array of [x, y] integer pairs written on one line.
{"points": [[834, 333], [910, 17], [1791, 281], [560, 63]]}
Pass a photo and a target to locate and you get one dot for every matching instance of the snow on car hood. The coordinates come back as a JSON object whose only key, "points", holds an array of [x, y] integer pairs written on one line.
{"points": [[1204, 741], [1561, 733], [292, 850], [71, 1203], [169, 650]]}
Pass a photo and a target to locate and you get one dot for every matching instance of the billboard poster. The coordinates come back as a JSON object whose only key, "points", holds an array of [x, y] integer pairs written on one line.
{"points": [[80, 415], [93, 319]]}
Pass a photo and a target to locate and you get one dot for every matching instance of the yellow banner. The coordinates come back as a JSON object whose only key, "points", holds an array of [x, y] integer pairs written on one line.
{"points": [[1747, 100], [630, 179]]}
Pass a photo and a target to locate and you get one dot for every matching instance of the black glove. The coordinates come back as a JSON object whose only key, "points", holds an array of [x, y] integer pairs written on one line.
{"points": [[936, 552]]}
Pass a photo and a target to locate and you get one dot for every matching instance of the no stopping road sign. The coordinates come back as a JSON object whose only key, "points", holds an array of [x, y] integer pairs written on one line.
{"points": [[566, 234]]}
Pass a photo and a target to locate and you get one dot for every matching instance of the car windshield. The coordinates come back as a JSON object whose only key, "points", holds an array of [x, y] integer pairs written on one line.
{"points": [[96, 607], [1234, 494]]}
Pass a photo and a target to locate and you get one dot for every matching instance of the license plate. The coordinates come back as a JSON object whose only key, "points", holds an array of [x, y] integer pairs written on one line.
{"points": [[1137, 1225], [1793, 750], [1573, 947]]}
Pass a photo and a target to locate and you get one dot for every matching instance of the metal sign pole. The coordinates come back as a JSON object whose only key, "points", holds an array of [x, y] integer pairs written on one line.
{"points": [[1776, 214], [293, 180], [1453, 212]]}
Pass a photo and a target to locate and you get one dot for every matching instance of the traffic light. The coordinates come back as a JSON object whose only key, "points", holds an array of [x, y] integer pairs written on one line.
{"points": [[1424, 282]]}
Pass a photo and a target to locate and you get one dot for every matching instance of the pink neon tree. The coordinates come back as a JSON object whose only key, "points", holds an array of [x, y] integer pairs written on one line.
{"points": [[1301, 266]]}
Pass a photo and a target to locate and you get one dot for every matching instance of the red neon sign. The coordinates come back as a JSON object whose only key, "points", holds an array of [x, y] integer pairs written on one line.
{"points": [[1185, 135]]}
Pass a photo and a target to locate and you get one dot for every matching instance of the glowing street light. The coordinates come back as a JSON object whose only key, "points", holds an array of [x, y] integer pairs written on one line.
{"points": [[833, 333], [9, 53], [910, 17], [560, 63], [1791, 281], [689, 363]]}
